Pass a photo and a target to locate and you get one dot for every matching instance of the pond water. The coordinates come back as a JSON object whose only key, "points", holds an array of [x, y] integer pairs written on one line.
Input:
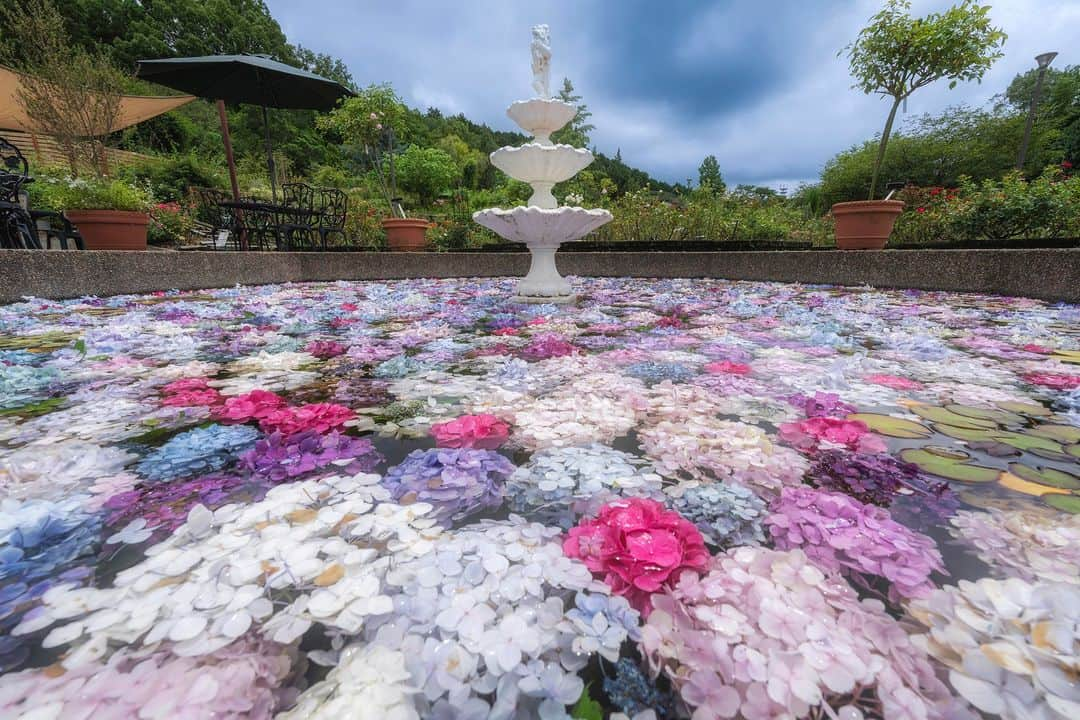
{"points": [[417, 499]]}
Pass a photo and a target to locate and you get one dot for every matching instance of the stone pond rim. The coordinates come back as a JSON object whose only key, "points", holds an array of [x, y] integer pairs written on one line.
{"points": [[1047, 274]]}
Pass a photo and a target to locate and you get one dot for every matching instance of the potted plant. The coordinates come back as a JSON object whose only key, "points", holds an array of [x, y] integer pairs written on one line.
{"points": [[369, 120], [894, 56], [109, 213]]}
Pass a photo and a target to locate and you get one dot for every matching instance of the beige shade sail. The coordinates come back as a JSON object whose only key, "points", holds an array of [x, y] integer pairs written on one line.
{"points": [[134, 109]]}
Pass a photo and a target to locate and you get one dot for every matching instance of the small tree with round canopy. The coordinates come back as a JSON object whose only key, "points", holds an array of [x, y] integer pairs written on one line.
{"points": [[897, 54]]}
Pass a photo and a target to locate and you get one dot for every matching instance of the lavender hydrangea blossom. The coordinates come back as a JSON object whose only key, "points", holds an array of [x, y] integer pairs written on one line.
{"points": [[281, 458], [458, 482]]}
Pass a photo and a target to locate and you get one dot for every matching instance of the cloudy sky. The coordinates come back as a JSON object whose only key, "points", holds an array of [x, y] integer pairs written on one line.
{"points": [[755, 82]]}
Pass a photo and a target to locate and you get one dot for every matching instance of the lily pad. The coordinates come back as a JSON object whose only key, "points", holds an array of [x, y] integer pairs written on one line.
{"points": [[1046, 476], [1068, 503], [1019, 484], [1067, 434], [948, 417], [1001, 417], [1021, 441], [1030, 409], [892, 426], [951, 464], [1073, 450], [1067, 356]]}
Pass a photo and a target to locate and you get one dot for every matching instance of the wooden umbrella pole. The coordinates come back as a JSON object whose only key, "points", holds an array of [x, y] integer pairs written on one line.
{"points": [[231, 162]]}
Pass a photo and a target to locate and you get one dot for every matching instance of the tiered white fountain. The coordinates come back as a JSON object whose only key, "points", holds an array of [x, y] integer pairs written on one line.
{"points": [[542, 225]]}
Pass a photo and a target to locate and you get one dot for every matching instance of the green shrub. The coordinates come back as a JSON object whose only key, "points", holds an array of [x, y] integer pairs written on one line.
{"points": [[169, 224], [170, 178], [60, 192]]}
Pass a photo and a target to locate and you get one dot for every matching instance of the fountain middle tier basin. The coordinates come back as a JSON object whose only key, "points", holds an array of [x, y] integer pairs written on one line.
{"points": [[541, 116], [536, 163], [541, 227]]}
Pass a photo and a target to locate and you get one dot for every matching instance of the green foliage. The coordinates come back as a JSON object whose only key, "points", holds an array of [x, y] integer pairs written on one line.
{"points": [[169, 179], [897, 54], [57, 191], [428, 172], [365, 118], [586, 708], [169, 225], [709, 176], [1057, 123], [576, 133]]}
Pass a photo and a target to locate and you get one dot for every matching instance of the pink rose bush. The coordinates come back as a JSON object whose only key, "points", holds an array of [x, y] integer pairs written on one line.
{"points": [[320, 417], [841, 534], [637, 546], [483, 431], [823, 433], [766, 634], [254, 405]]}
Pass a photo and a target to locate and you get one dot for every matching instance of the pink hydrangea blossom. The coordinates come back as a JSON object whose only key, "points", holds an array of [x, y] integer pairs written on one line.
{"points": [[254, 405], [193, 398], [482, 431], [320, 417], [839, 533], [727, 367], [637, 546], [1054, 381], [185, 385], [815, 433], [548, 346], [325, 349], [894, 381]]}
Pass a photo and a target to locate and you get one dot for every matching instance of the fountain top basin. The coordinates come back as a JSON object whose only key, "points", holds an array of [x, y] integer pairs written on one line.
{"points": [[541, 116]]}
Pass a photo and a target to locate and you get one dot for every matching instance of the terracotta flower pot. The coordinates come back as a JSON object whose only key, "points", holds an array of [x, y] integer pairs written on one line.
{"points": [[111, 229], [866, 224], [406, 234]]}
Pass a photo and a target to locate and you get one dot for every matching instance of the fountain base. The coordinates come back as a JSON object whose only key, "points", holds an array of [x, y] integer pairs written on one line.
{"points": [[545, 299]]}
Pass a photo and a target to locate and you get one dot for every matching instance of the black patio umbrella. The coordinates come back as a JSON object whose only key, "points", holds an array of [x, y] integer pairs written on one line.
{"points": [[245, 79]]}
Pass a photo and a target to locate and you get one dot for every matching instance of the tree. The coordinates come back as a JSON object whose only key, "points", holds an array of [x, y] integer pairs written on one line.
{"points": [[897, 54], [576, 133], [75, 94], [709, 175], [428, 172]]}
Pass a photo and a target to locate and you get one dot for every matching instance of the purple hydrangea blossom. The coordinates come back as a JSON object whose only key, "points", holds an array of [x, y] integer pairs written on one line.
{"points": [[280, 458], [457, 482], [838, 532]]}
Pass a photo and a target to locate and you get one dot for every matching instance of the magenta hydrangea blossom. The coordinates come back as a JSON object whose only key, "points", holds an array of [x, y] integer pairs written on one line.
{"points": [[325, 349], [821, 404], [839, 533], [547, 346], [476, 431], [819, 433], [320, 417]]}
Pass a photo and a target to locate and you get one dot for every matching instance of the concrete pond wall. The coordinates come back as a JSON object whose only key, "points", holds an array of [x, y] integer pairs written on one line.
{"points": [[1048, 274]]}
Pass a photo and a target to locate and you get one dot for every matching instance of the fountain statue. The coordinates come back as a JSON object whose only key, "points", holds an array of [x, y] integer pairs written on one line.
{"points": [[542, 225]]}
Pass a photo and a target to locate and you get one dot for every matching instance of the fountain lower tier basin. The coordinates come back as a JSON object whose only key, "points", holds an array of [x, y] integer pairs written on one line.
{"points": [[541, 227]]}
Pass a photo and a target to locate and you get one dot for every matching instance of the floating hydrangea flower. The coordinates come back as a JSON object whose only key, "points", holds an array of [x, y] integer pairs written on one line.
{"points": [[21, 385], [818, 433], [458, 482], [894, 381], [766, 634], [196, 452], [281, 458], [248, 679], [1030, 544], [727, 515], [657, 372], [558, 485], [1010, 646], [1054, 381], [726, 367], [821, 404], [840, 533], [325, 349], [637, 546], [482, 431], [547, 346], [874, 479], [254, 405], [316, 417]]}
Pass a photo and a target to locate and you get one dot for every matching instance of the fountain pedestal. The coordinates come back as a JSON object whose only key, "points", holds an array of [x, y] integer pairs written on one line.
{"points": [[542, 225]]}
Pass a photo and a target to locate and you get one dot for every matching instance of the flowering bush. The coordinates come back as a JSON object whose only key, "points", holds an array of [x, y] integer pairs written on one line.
{"points": [[638, 547], [169, 224], [482, 431], [766, 634], [840, 533]]}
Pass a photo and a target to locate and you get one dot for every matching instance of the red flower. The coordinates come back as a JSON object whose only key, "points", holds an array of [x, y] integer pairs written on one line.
{"points": [[1065, 164], [920, 210], [935, 191], [638, 546]]}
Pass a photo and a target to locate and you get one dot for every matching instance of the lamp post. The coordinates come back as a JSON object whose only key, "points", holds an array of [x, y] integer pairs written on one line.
{"points": [[1044, 61]]}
